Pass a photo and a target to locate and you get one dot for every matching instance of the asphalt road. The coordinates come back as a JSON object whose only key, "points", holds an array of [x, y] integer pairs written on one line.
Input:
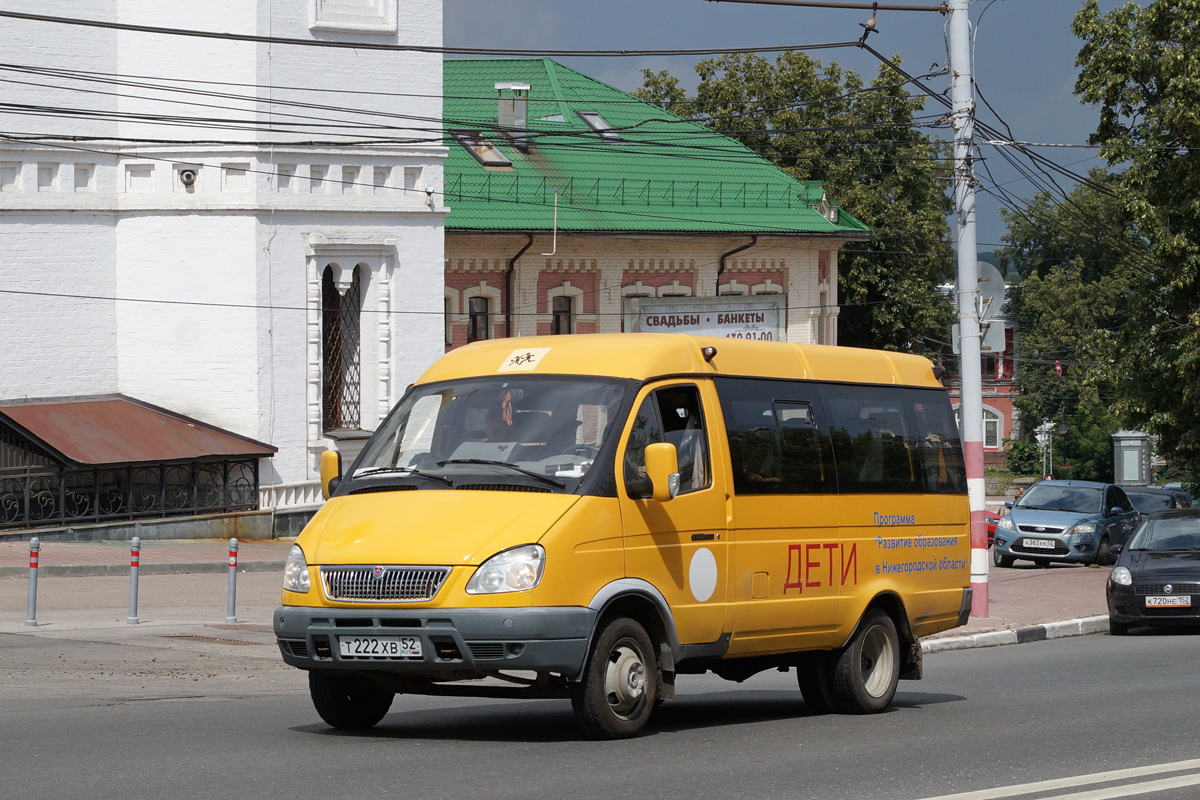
{"points": [[217, 715]]}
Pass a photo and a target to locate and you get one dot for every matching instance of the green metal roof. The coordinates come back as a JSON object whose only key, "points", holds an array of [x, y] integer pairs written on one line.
{"points": [[664, 174]]}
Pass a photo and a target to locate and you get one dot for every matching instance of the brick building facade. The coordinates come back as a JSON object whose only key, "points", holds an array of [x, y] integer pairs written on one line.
{"points": [[569, 197]]}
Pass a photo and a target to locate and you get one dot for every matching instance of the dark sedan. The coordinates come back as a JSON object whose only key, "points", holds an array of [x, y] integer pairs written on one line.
{"points": [[1156, 580], [1152, 501]]}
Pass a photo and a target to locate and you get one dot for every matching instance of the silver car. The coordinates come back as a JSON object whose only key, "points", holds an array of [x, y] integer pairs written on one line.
{"points": [[1071, 521]]}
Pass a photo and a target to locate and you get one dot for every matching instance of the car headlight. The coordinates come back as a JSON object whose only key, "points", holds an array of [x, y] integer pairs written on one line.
{"points": [[1121, 576], [1084, 527], [1006, 524], [295, 571], [515, 570]]}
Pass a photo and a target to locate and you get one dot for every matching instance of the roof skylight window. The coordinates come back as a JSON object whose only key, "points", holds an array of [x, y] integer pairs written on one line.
{"points": [[600, 126], [484, 151]]}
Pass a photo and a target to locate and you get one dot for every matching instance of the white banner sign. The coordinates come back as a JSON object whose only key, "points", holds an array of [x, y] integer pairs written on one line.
{"points": [[760, 317]]}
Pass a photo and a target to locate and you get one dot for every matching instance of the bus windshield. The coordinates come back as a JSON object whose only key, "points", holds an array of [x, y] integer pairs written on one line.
{"points": [[538, 426]]}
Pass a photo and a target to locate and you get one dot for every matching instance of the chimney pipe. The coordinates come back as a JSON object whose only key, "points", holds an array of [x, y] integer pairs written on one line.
{"points": [[513, 113]]}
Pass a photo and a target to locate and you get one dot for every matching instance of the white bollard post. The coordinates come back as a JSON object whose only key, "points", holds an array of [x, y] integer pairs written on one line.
{"points": [[230, 613], [135, 555], [35, 546]]}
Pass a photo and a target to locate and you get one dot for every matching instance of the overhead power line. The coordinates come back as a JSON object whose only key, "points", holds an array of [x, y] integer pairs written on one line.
{"points": [[410, 48], [941, 9]]}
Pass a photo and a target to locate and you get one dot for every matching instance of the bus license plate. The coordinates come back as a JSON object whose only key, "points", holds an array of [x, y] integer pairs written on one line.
{"points": [[1168, 601], [1040, 544], [379, 646]]}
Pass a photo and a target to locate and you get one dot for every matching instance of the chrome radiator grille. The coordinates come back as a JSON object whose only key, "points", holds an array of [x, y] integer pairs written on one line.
{"points": [[394, 584]]}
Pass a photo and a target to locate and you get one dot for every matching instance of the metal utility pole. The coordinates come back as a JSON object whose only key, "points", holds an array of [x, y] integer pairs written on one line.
{"points": [[970, 375], [968, 299]]}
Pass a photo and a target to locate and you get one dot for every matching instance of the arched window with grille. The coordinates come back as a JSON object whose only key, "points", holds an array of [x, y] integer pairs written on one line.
{"points": [[341, 351]]}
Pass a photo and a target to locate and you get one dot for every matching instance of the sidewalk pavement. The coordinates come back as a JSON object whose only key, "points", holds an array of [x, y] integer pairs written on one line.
{"points": [[1026, 603]]}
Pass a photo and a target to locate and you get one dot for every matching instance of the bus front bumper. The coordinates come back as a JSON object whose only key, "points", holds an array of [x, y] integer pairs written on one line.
{"points": [[453, 641]]}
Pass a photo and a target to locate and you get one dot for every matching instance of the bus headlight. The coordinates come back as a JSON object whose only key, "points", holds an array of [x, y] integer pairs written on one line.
{"points": [[515, 570], [295, 571]]}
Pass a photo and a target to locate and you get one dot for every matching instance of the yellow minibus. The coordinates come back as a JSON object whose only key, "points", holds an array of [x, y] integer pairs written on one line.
{"points": [[588, 517]]}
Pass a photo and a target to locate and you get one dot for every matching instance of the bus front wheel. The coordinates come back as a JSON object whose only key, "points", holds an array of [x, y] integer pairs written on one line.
{"points": [[620, 682], [867, 670], [346, 701]]}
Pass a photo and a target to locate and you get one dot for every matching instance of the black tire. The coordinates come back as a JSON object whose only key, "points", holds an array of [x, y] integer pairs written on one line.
{"points": [[815, 677], [348, 702], [620, 682], [1102, 551], [867, 670], [1117, 628], [1001, 560]]}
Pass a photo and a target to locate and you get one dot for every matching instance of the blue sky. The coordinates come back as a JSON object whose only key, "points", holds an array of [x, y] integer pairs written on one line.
{"points": [[1024, 55]]}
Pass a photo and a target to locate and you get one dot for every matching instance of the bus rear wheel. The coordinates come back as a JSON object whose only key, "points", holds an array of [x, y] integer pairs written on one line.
{"points": [[347, 701], [867, 670], [620, 682]]}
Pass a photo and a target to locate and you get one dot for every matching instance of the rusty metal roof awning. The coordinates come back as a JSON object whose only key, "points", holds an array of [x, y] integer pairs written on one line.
{"points": [[115, 429]]}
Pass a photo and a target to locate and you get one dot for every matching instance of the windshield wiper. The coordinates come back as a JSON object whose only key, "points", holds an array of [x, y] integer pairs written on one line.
{"points": [[522, 470], [362, 473]]}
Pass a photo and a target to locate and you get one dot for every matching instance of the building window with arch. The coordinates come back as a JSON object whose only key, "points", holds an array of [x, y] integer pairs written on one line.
{"points": [[991, 429], [992, 426], [563, 320], [478, 318], [341, 351]]}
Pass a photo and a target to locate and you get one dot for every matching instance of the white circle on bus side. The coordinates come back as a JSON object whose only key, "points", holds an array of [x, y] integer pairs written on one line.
{"points": [[702, 574]]}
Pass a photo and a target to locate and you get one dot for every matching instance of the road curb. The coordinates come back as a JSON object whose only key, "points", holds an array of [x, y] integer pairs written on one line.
{"points": [[116, 570], [1032, 633]]}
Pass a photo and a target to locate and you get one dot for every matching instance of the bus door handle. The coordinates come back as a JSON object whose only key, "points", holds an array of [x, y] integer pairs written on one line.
{"points": [[703, 537]]}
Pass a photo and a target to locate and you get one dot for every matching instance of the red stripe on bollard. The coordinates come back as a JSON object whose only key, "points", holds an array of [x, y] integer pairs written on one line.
{"points": [[33, 559]]}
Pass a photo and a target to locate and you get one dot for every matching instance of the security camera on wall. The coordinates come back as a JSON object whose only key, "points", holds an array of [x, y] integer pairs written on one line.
{"points": [[187, 177]]}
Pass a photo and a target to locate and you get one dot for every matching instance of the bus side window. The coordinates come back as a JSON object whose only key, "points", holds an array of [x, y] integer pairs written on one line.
{"points": [[683, 426], [777, 438], [939, 445], [873, 442], [672, 415], [646, 431]]}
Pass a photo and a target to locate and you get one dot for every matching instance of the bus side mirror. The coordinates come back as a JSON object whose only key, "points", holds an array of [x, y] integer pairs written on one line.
{"points": [[662, 468], [331, 472]]}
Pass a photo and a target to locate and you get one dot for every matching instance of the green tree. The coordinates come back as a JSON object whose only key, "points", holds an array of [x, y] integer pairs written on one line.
{"points": [[1139, 66], [821, 122], [1072, 258]]}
